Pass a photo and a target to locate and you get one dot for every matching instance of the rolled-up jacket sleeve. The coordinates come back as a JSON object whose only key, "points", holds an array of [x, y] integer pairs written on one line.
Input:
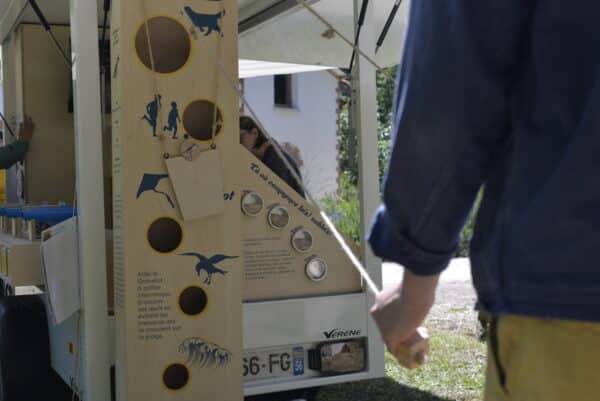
{"points": [[12, 153], [451, 113]]}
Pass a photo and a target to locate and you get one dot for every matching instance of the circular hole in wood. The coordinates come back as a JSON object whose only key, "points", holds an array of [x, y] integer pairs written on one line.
{"points": [[198, 120], [193, 301], [176, 376], [165, 235], [170, 43]]}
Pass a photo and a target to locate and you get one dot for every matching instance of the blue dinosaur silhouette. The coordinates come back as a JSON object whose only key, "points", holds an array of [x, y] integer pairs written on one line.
{"points": [[151, 115], [208, 264], [210, 22], [173, 120], [150, 182]]}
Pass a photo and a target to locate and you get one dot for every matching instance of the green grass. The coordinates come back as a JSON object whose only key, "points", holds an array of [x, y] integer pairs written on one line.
{"points": [[454, 371]]}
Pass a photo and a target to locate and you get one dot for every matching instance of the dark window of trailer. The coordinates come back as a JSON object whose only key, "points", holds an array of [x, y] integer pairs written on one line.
{"points": [[283, 91]]}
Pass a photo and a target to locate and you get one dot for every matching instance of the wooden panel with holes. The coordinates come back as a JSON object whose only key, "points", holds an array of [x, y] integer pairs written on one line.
{"points": [[178, 281]]}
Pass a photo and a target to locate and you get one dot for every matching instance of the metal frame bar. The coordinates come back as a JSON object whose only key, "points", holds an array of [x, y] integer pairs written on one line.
{"points": [[265, 15], [364, 123], [275, 10], [9, 57], [11, 18], [94, 366], [258, 389]]}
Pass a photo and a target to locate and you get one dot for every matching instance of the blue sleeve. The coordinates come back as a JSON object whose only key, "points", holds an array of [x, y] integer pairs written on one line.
{"points": [[451, 113]]}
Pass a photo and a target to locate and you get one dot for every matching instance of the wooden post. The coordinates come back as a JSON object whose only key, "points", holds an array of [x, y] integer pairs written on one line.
{"points": [[178, 283]]}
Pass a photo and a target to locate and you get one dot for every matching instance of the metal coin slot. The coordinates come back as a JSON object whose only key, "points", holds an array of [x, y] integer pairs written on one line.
{"points": [[316, 269], [252, 204], [278, 217], [302, 240]]}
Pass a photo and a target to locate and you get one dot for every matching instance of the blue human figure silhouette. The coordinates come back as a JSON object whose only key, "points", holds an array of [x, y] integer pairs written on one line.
{"points": [[173, 120], [151, 115]]}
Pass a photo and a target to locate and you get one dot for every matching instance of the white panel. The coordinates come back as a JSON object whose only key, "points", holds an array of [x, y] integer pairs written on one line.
{"points": [[95, 368], [62, 360], [256, 68], [296, 321]]}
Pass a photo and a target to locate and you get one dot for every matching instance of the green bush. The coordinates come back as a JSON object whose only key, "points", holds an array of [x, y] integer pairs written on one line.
{"points": [[344, 206], [344, 209]]}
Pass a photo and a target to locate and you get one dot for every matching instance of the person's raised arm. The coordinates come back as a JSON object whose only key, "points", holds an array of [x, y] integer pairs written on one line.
{"points": [[14, 152], [451, 121]]}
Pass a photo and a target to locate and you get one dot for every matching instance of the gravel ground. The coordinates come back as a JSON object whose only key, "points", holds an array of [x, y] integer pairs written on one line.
{"points": [[454, 309]]}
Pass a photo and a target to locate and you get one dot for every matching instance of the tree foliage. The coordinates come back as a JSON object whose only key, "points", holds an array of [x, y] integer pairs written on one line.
{"points": [[344, 206], [348, 141]]}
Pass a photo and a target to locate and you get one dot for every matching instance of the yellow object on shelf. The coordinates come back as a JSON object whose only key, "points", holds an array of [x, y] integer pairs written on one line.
{"points": [[2, 187]]}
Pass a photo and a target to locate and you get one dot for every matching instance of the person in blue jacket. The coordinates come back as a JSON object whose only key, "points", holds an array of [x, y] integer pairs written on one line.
{"points": [[504, 95], [15, 151]]}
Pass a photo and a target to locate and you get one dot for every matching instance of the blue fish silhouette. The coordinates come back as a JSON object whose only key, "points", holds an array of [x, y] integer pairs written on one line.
{"points": [[208, 264], [150, 182]]}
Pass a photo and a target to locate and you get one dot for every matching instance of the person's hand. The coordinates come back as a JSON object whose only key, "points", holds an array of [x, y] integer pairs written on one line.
{"points": [[400, 310], [26, 129]]}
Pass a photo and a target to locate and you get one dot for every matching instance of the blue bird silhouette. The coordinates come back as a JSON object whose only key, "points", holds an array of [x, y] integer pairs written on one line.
{"points": [[150, 182], [208, 264]]}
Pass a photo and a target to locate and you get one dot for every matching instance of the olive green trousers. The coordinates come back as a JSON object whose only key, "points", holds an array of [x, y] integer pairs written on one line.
{"points": [[542, 360]]}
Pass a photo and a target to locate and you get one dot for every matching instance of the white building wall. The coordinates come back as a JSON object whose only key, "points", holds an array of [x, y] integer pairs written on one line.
{"points": [[311, 125]]}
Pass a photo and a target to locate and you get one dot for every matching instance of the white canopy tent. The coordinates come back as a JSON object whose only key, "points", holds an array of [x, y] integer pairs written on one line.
{"points": [[270, 30]]}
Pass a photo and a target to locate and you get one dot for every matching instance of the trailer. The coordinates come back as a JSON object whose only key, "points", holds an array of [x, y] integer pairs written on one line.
{"points": [[201, 273]]}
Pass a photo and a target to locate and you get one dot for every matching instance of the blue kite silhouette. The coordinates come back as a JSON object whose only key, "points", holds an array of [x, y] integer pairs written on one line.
{"points": [[151, 115], [150, 182], [173, 120], [208, 264], [210, 22]]}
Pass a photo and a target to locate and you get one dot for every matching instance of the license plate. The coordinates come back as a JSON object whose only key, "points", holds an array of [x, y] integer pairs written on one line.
{"points": [[274, 363]]}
